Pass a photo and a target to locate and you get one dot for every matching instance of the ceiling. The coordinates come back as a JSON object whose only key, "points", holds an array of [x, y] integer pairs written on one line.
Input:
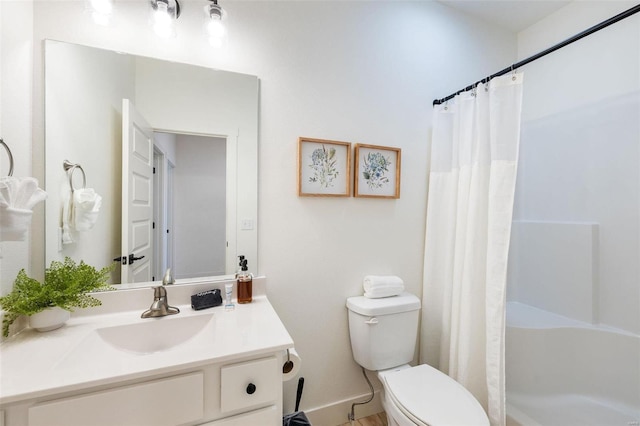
{"points": [[514, 15]]}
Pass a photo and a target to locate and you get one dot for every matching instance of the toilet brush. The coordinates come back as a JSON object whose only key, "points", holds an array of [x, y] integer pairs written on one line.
{"points": [[298, 418]]}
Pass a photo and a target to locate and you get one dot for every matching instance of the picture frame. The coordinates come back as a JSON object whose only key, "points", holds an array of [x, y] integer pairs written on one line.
{"points": [[324, 168], [377, 171]]}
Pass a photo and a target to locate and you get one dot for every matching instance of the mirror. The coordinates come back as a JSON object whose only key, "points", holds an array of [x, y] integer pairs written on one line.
{"points": [[203, 133]]}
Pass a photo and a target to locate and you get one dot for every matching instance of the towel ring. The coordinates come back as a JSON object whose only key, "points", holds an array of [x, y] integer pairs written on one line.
{"points": [[6, 147], [70, 167]]}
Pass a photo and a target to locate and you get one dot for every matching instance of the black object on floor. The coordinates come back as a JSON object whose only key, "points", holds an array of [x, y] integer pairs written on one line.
{"points": [[298, 418]]}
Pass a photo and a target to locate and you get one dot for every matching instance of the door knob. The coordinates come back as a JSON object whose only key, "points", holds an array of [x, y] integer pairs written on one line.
{"points": [[132, 258]]}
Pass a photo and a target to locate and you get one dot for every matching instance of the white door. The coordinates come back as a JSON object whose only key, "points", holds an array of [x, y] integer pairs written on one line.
{"points": [[137, 196]]}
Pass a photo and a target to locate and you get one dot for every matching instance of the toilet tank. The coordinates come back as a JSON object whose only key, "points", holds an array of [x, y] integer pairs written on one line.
{"points": [[383, 331]]}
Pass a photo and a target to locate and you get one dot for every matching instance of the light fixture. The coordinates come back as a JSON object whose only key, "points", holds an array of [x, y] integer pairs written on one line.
{"points": [[214, 27], [100, 10], [163, 17]]}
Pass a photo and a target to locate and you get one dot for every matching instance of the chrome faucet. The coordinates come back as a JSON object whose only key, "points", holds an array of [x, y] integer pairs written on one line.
{"points": [[160, 306], [168, 278]]}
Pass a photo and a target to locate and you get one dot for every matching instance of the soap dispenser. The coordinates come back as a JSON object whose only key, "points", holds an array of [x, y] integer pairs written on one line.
{"points": [[245, 282], [240, 260]]}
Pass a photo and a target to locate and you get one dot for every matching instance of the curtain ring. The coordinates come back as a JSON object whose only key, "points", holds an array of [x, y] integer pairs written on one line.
{"points": [[6, 147], [69, 167]]}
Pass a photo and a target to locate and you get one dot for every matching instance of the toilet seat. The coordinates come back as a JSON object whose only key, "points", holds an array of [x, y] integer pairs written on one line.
{"points": [[429, 397]]}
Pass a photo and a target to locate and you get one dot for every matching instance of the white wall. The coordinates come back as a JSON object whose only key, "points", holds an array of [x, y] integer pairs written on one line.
{"points": [[579, 164], [199, 222], [351, 71], [16, 106]]}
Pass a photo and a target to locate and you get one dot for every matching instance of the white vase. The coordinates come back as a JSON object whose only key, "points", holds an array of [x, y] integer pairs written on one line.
{"points": [[49, 319]]}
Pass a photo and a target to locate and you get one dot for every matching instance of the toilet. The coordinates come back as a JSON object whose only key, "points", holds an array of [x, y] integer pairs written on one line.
{"points": [[383, 338]]}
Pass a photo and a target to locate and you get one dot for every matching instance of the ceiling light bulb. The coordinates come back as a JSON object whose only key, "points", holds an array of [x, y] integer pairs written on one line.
{"points": [[215, 28], [163, 20]]}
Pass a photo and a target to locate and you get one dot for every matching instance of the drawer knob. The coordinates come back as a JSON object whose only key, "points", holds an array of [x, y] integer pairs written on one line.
{"points": [[251, 388]]}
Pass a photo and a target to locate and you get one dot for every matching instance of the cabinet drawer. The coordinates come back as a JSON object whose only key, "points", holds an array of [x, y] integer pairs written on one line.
{"points": [[170, 401], [249, 384], [263, 417]]}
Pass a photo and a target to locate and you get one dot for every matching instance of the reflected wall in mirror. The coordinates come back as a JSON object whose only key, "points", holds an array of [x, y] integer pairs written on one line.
{"points": [[204, 136]]}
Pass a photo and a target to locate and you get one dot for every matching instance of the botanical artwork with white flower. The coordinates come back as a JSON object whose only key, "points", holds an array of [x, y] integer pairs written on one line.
{"points": [[323, 167], [377, 171]]}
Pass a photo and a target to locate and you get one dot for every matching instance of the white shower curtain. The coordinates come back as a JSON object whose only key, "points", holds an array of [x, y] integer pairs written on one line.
{"points": [[470, 204]]}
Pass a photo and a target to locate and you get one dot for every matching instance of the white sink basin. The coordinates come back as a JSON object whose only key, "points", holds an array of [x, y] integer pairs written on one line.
{"points": [[159, 334]]}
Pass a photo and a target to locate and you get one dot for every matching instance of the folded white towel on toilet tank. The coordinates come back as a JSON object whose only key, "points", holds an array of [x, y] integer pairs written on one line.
{"points": [[377, 286]]}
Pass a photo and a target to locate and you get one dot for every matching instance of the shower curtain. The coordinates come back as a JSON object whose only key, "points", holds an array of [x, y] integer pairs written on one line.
{"points": [[470, 204]]}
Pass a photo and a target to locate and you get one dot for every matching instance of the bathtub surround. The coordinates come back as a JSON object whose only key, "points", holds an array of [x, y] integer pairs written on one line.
{"points": [[471, 189], [573, 316], [562, 371]]}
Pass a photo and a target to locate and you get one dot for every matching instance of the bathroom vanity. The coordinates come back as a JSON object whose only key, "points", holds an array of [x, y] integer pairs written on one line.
{"points": [[111, 367]]}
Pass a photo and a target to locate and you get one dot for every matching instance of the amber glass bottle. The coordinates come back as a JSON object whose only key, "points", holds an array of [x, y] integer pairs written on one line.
{"points": [[245, 283]]}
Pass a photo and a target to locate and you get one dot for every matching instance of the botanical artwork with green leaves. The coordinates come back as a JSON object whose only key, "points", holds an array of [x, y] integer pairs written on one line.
{"points": [[323, 166], [375, 169]]}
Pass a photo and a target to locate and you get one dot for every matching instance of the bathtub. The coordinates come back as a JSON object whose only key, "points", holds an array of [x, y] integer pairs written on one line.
{"points": [[565, 372]]}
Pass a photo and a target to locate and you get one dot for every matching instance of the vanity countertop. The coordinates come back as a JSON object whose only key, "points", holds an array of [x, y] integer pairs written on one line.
{"points": [[35, 364]]}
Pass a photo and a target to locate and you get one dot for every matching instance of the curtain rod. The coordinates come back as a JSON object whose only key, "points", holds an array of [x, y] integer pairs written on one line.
{"points": [[589, 31]]}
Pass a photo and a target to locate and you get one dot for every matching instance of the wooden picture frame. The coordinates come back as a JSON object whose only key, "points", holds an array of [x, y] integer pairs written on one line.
{"points": [[377, 171], [324, 168]]}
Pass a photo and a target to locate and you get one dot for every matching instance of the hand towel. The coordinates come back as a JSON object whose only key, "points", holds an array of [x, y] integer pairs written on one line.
{"points": [[86, 206], [376, 286], [67, 218], [14, 223], [18, 196]]}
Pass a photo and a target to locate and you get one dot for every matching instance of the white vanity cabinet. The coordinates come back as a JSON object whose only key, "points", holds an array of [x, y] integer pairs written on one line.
{"points": [[227, 373], [238, 392]]}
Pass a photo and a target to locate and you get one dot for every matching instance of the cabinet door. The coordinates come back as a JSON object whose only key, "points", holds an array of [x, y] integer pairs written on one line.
{"points": [[170, 401], [264, 417]]}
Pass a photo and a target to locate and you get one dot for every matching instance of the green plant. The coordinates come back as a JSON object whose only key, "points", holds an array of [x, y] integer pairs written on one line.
{"points": [[66, 285]]}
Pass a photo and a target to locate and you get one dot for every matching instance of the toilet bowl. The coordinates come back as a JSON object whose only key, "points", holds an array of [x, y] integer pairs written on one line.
{"points": [[425, 396], [383, 335]]}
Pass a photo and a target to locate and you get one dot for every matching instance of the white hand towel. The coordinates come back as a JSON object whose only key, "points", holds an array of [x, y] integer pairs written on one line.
{"points": [[20, 193], [86, 206], [18, 196], [14, 223], [376, 286], [67, 219]]}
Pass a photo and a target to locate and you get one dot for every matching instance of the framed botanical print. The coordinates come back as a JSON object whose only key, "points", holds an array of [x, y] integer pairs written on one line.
{"points": [[377, 171], [324, 168]]}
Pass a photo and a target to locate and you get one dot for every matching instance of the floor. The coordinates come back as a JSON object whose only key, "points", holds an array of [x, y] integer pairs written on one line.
{"points": [[379, 419]]}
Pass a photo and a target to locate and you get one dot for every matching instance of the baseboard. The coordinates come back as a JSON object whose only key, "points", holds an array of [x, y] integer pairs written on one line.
{"points": [[336, 413]]}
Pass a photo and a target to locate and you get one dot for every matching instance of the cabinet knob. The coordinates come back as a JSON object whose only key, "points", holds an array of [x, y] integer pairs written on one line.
{"points": [[251, 388]]}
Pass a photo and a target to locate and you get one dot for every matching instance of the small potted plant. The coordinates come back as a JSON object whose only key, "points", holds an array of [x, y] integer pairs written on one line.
{"points": [[48, 305]]}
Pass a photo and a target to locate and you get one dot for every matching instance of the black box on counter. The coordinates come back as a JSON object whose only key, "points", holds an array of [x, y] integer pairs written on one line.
{"points": [[206, 299]]}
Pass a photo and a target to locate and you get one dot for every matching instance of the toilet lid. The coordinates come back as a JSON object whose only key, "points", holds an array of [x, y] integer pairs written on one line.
{"points": [[430, 396]]}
